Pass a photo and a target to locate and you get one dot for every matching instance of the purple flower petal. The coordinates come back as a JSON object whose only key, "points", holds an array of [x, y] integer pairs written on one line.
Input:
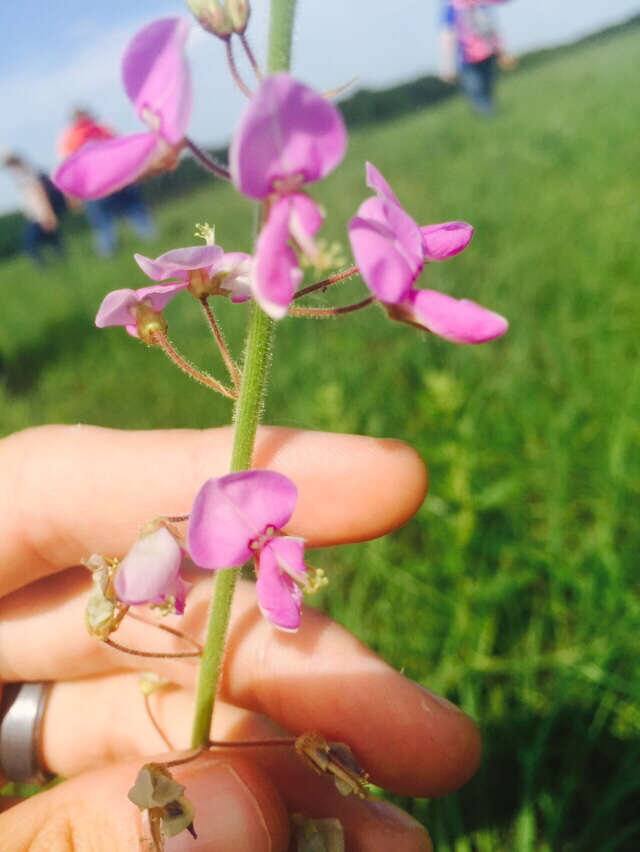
{"points": [[288, 133], [375, 181], [305, 219], [156, 77], [159, 295], [279, 598], [100, 168], [118, 307], [457, 320], [387, 210], [178, 592], [230, 512], [445, 240], [150, 569], [178, 262], [276, 274], [383, 266]]}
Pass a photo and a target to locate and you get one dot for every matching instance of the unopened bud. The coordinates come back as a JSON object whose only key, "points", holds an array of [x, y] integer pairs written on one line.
{"points": [[212, 16], [238, 14]]}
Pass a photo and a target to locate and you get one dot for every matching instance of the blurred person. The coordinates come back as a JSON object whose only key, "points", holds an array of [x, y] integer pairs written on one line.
{"points": [[42, 207], [103, 213], [470, 47]]}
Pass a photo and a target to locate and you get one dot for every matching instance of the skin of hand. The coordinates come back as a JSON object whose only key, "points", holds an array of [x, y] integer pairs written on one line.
{"points": [[69, 491], [506, 61]]}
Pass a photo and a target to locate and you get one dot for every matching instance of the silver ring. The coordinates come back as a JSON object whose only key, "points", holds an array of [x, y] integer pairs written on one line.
{"points": [[21, 713]]}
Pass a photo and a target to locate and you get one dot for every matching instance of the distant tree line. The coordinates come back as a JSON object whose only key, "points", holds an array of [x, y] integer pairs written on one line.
{"points": [[364, 107]]}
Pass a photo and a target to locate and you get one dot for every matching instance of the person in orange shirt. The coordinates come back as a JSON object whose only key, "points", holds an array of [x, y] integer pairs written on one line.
{"points": [[103, 213]]}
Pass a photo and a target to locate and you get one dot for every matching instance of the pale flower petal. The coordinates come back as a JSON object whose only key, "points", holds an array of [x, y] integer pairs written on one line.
{"points": [[118, 307], [177, 262], [236, 266], [150, 569]]}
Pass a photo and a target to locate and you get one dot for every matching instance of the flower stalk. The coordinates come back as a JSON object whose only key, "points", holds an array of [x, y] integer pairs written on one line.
{"points": [[203, 378], [246, 417]]}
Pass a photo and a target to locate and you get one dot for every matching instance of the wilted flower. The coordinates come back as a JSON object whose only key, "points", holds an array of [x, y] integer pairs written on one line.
{"points": [[157, 81], [334, 759], [391, 250], [104, 611], [150, 572], [237, 517], [156, 792], [288, 136]]}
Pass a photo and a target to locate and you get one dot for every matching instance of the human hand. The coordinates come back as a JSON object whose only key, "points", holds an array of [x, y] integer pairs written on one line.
{"points": [[70, 491], [507, 62], [449, 77], [49, 222]]}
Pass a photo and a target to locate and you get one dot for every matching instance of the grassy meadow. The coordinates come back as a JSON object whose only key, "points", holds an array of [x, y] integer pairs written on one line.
{"points": [[515, 589]]}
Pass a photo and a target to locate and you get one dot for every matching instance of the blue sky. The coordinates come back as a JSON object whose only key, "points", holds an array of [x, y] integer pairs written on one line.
{"points": [[64, 52]]}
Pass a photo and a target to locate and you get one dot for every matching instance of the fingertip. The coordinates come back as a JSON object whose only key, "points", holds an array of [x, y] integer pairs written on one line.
{"points": [[351, 487], [236, 807]]}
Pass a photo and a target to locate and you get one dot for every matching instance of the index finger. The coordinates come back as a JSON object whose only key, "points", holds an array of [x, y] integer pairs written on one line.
{"points": [[69, 491]]}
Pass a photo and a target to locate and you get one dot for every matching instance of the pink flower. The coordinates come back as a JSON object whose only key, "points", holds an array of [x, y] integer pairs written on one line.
{"points": [[390, 250], [237, 517], [207, 269], [288, 136], [150, 572], [127, 307], [157, 81]]}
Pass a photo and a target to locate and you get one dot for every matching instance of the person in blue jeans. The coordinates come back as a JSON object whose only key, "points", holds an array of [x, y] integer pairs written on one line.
{"points": [[103, 214], [42, 206], [470, 48]]}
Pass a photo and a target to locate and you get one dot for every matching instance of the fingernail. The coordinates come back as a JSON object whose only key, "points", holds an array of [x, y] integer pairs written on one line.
{"points": [[443, 702], [227, 815], [390, 813], [395, 818]]}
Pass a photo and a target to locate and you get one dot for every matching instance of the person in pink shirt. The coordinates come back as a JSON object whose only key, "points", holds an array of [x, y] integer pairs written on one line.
{"points": [[470, 48]]}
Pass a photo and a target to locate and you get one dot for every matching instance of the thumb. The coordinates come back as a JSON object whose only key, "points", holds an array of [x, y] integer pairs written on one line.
{"points": [[236, 807]]}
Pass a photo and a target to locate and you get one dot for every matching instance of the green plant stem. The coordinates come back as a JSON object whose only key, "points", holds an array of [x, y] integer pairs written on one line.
{"points": [[246, 417], [280, 35]]}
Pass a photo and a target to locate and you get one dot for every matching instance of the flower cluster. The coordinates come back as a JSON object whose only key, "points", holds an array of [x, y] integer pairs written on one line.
{"points": [[288, 137], [233, 519]]}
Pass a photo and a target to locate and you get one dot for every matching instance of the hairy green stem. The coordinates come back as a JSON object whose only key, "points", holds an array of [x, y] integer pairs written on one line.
{"points": [[246, 417]]}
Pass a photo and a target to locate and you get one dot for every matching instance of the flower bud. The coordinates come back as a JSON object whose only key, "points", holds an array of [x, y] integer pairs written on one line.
{"points": [[238, 14], [212, 16]]}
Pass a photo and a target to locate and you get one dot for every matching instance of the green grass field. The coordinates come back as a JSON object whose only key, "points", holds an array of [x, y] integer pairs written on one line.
{"points": [[515, 589]]}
